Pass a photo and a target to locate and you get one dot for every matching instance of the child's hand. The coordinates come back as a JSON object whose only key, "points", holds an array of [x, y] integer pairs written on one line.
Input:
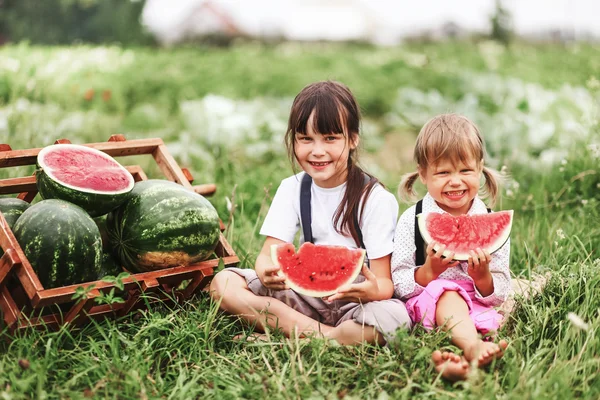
{"points": [[359, 292], [479, 265], [437, 263], [271, 278]]}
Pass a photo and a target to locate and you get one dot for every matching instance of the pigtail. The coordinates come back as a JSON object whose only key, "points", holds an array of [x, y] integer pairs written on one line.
{"points": [[406, 192], [493, 180]]}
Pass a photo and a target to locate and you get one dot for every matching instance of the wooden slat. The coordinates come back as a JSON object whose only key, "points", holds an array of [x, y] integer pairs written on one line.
{"points": [[14, 158], [169, 167], [198, 283], [187, 174], [77, 313], [117, 138], [7, 261], [10, 310], [208, 189], [63, 294]]}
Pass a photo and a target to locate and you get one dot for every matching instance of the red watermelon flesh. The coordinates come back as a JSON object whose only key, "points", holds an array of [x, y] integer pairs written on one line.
{"points": [[87, 170], [463, 233], [317, 270], [84, 176]]}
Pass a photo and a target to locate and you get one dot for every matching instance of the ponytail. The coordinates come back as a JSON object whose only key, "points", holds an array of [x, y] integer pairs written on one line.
{"points": [[354, 200], [491, 189], [406, 192]]}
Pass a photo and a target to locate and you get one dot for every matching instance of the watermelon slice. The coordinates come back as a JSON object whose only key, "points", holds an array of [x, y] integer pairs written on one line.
{"points": [[317, 270], [84, 176], [466, 232]]}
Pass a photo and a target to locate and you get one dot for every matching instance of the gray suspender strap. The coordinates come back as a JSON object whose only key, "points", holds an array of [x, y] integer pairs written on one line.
{"points": [[305, 211], [419, 242]]}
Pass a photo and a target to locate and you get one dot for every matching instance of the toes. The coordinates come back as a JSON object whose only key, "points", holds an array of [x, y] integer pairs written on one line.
{"points": [[437, 357]]}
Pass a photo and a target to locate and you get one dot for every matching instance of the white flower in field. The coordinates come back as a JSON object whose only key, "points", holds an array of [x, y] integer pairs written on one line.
{"points": [[577, 321], [595, 149], [563, 161], [584, 201], [593, 83], [562, 169], [509, 193], [229, 204], [561, 234]]}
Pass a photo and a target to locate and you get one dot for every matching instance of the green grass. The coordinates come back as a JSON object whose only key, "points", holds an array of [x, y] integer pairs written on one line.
{"points": [[187, 351]]}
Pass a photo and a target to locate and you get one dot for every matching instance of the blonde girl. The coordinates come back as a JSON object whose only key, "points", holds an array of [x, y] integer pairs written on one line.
{"points": [[439, 291], [348, 207]]}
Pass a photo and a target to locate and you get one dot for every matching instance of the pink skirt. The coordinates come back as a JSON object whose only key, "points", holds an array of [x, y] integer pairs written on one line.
{"points": [[422, 308]]}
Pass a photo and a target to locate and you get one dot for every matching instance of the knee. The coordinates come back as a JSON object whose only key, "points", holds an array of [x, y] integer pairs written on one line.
{"points": [[450, 295], [222, 283]]}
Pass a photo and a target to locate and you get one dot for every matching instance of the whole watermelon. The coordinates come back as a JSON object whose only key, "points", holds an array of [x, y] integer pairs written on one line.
{"points": [[61, 241], [162, 225], [12, 208]]}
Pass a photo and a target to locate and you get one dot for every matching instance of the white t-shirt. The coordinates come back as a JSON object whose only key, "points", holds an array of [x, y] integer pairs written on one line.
{"points": [[378, 222]]}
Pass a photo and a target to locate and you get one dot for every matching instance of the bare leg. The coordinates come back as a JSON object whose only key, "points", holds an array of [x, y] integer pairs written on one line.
{"points": [[350, 332], [452, 314], [236, 299]]}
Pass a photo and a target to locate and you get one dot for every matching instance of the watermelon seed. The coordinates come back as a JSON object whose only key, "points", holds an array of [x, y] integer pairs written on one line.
{"points": [[343, 267], [312, 278]]}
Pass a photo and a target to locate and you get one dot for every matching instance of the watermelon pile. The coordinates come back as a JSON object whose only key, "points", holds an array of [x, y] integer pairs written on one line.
{"points": [[94, 220]]}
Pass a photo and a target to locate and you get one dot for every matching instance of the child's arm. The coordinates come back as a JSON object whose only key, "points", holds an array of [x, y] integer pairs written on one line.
{"points": [[266, 271], [491, 275], [377, 285]]}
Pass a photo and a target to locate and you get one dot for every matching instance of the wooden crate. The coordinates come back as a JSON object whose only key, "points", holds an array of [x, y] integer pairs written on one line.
{"points": [[25, 303]]}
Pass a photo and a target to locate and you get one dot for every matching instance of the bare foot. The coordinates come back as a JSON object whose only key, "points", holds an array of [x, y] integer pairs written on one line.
{"points": [[452, 366], [485, 352]]}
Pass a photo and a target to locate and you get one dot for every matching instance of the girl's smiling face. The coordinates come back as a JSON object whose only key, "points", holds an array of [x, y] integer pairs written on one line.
{"points": [[453, 185], [324, 156]]}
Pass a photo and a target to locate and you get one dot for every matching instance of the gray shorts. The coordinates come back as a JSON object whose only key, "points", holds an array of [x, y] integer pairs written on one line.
{"points": [[385, 315]]}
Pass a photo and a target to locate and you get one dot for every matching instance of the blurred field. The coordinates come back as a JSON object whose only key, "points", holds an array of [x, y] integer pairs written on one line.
{"points": [[223, 113]]}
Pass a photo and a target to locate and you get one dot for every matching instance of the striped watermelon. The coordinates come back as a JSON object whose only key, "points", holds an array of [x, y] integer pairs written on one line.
{"points": [[61, 241], [84, 176], [12, 208], [162, 225]]}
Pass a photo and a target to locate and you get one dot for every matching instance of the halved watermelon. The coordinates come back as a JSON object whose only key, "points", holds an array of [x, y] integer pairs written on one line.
{"points": [[84, 176], [317, 270], [466, 232]]}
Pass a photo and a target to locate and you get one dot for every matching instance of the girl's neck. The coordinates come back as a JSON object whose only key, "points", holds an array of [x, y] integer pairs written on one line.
{"points": [[455, 212]]}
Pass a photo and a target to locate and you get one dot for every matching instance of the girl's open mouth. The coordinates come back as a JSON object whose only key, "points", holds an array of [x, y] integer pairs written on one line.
{"points": [[319, 164], [456, 193]]}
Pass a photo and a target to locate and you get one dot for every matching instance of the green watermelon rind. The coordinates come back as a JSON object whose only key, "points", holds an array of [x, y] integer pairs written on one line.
{"points": [[318, 293], [139, 230], [492, 248], [95, 203], [12, 208], [61, 242]]}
